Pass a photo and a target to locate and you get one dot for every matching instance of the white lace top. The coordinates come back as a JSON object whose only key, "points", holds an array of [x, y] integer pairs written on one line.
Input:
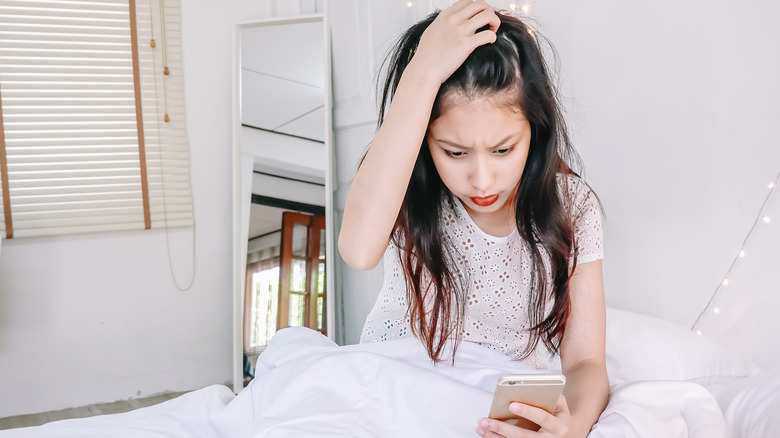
{"points": [[499, 273]]}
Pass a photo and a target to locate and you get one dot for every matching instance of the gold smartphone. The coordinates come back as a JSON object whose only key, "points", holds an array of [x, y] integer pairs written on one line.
{"points": [[540, 390]]}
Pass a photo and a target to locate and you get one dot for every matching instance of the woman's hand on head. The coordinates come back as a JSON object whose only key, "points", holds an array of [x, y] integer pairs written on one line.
{"points": [[452, 36], [556, 424]]}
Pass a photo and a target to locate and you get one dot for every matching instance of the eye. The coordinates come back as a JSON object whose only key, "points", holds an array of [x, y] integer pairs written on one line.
{"points": [[502, 151], [455, 154]]}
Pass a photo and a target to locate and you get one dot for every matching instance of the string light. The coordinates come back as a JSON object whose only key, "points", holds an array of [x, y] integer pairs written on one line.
{"points": [[515, 9], [409, 4], [761, 217]]}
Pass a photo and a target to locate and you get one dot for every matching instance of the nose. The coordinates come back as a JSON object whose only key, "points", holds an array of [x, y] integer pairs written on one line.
{"points": [[481, 174]]}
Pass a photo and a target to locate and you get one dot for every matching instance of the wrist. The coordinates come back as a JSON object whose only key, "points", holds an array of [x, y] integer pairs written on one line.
{"points": [[579, 428], [421, 77]]}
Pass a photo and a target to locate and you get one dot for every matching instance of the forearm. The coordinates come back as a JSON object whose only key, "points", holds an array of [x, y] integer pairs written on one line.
{"points": [[385, 171], [587, 393]]}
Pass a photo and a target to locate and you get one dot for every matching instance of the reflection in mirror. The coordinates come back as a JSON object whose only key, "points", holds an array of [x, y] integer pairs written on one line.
{"points": [[285, 171], [285, 273]]}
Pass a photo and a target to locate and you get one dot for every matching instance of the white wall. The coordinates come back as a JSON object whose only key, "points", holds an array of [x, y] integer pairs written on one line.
{"points": [[88, 319], [672, 108]]}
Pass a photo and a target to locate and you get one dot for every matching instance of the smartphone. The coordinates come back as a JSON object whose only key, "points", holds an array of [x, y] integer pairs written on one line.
{"points": [[540, 390]]}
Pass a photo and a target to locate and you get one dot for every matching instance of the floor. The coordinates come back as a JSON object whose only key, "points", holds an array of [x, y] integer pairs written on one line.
{"points": [[86, 411]]}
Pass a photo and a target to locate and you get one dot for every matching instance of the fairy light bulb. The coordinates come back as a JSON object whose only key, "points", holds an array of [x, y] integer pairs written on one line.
{"points": [[771, 185], [698, 332], [409, 4], [525, 9], [742, 254], [766, 219], [716, 310], [725, 281], [513, 7]]}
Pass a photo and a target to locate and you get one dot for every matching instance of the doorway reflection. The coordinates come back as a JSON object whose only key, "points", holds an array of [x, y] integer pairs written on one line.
{"points": [[285, 273]]}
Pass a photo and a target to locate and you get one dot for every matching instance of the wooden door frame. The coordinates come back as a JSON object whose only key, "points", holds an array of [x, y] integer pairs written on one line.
{"points": [[315, 225], [316, 228]]}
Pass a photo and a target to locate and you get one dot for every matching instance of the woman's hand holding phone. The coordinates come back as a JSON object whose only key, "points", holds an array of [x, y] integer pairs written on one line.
{"points": [[527, 405], [554, 424]]}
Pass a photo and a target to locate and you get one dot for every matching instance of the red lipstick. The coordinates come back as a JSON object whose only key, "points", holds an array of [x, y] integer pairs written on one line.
{"points": [[485, 201]]}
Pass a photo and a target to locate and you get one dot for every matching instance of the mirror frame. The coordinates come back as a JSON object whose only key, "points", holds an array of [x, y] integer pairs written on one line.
{"points": [[239, 223]]}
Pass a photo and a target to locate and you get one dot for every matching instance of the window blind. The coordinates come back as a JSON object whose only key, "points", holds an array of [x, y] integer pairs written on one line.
{"points": [[74, 153]]}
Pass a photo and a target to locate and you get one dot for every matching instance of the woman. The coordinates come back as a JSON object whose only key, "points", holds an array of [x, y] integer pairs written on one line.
{"points": [[489, 235]]}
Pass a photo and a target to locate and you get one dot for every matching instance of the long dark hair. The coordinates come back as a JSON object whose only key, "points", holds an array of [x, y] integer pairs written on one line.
{"points": [[435, 291]]}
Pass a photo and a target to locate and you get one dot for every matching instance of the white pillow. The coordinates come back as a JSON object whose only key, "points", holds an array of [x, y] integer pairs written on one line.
{"points": [[751, 405], [641, 347]]}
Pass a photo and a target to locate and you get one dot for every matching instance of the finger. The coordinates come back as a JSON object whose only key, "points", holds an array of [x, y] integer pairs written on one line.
{"points": [[488, 16], [562, 405], [490, 434], [459, 6], [483, 431], [471, 9], [502, 429], [539, 416], [482, 38]]}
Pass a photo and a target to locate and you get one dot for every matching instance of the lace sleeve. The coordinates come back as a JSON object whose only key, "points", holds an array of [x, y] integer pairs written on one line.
{"points": [[586, 213]]}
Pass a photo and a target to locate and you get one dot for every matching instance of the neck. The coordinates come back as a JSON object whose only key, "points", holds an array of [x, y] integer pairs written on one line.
{"points": [[499, 223]]}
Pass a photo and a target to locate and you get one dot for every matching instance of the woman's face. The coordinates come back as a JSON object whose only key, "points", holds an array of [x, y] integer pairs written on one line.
{"points": [[479, 149]]}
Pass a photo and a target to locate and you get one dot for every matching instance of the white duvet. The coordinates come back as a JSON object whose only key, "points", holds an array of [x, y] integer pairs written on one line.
{"points": [[306, 386]]}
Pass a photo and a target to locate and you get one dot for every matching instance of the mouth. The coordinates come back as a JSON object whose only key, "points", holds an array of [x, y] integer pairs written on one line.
{"points": [[485, 201]]}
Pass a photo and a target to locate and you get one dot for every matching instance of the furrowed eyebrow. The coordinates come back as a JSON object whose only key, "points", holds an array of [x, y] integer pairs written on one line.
{"points": [[458, 146]]}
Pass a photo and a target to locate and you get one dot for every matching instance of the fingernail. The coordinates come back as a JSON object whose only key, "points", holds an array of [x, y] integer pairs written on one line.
{"points": [[483, 422], [515, 408]]}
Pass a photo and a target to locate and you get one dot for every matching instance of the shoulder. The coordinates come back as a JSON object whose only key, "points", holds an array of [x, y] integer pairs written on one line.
{"points": [[572, 185], [576, 194]]}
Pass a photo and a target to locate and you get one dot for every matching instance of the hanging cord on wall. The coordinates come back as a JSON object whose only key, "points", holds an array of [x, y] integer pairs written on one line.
{"points": [[760, 218], [166, 73]]}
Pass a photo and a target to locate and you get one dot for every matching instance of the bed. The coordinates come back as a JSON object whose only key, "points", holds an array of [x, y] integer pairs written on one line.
{"points": [[664, 382]]}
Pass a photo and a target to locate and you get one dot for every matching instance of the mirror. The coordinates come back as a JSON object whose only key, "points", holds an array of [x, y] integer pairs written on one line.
{"points": [[282, 184]]}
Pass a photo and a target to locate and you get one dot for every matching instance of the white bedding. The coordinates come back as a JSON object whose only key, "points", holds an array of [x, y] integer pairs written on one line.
{"points": [[309, 388], [306, 386]]}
